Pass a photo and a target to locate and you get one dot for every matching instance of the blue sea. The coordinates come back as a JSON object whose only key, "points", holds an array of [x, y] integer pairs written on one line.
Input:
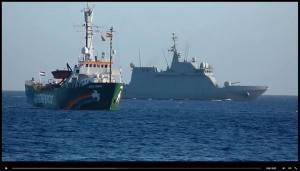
{"points": [[153, 130]]}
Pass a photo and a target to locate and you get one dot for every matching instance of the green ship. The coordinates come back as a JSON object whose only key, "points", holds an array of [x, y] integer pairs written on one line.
{"points": [[91, 85]]}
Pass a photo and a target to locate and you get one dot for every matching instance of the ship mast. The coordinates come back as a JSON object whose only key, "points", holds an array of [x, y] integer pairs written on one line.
{"points": [[111, 30], [174, 49], [88, 17]]}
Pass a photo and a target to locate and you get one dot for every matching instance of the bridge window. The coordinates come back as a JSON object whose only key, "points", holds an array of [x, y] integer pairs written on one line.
{"points": [[90, 65], [101, 66], [94, 65], [98, 66], [87, 65], [105, 66]]}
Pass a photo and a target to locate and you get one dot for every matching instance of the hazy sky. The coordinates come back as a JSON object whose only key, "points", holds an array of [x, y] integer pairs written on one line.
{"points": [[255, 43]]}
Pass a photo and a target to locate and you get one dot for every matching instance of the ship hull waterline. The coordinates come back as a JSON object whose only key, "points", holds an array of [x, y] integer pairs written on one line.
{"points": [[236, 93]]}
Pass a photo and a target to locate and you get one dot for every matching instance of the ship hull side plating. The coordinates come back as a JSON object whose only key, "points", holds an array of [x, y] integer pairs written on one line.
{"points": [[193, 87], [93, 96]]}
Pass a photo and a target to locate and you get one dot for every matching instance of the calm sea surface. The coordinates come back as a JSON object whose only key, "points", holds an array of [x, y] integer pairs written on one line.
{"points": [[153, 130]]}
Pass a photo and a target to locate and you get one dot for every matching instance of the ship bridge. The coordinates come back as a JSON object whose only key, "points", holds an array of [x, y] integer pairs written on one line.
{"points": [[92, 66], [179, 68], [187, 67], [93, 71]]}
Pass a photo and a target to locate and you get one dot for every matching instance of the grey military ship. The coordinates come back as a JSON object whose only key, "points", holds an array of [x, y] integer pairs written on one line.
{"points": [[184, 80]]}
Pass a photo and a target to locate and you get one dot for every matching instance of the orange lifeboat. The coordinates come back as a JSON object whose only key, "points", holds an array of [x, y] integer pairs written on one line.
{"points": [[61, 74]]}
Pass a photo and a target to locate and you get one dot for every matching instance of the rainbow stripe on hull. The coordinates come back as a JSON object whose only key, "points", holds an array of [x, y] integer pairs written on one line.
{"points": [[93, 96]]}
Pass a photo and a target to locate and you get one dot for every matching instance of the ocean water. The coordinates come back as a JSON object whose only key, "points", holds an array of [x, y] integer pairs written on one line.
{"points": [[153, 130]]}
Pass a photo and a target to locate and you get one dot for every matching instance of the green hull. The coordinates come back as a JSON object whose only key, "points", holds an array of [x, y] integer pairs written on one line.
{"points": [[93, 96]]}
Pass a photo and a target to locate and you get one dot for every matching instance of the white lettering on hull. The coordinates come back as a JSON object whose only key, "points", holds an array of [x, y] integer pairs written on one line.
{"points": [[95, 86], [43, 98]]}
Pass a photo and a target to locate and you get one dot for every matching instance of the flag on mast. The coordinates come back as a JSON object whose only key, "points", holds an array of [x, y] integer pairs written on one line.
{"points": [[42, 73], [109, 35]]}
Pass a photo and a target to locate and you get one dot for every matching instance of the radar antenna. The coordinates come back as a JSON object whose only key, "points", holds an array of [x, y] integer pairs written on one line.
{"points": [[173, 48]]}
